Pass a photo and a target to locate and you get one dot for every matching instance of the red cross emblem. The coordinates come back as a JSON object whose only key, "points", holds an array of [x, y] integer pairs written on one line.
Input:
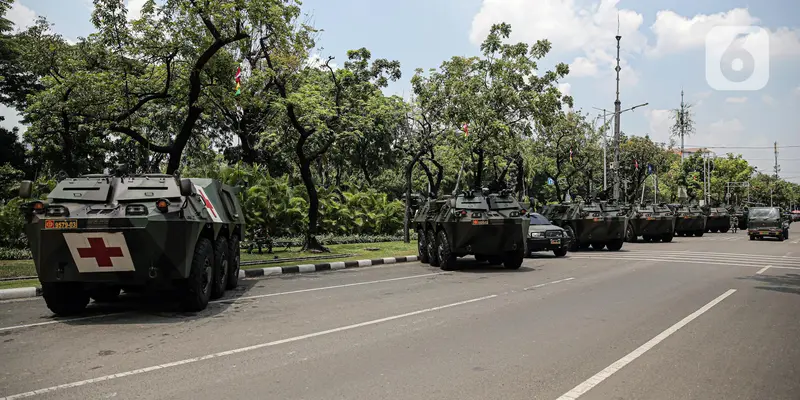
{"points": [[208, 204], [97, 249]]}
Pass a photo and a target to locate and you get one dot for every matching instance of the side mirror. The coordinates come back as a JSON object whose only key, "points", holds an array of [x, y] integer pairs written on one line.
{"points": [[187, 188], [26, 189]]}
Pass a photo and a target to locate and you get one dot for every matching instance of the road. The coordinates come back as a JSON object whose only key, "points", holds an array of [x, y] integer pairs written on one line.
{"points": [[715, 317]]}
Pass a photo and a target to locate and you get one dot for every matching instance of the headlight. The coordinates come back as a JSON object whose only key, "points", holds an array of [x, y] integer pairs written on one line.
{"points": [[536, 234]]}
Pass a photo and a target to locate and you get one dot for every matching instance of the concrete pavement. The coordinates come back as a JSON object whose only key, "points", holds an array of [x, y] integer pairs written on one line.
{"points": [[693, 319]]}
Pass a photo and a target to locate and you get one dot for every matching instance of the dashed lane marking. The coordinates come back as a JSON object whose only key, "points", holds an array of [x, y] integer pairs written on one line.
{"points": [[762, 270]]}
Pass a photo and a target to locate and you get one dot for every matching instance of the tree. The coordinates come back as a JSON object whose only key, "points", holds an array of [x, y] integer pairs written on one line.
{"points": [[638, 154], [498, 97], [567, 146]]}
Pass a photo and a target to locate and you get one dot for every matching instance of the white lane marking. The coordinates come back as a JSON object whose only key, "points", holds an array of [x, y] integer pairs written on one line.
{"points": [[548, 283], [762, 270], [10, 328], [242, 349], [675, 260], [714, 256], [261, 296], [595, 380], [745, 255]]}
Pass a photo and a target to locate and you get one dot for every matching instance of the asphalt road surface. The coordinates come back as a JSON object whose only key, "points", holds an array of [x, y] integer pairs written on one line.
{"points": [[716, 317]]}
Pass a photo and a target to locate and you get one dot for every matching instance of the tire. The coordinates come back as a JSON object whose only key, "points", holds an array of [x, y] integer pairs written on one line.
{"points": [[574, 245], [630, 236], [725, 230], [65, 298], [433, 257], [422, 247], [583, 246], [598, 246], [220, 267], [513, 259], [647, 238], [105, 294], [196, 289], [752, 237], [447, 261], [234, 264], [481, 258], [667, 238], [615, 245], [560, 252], [699, 233]]}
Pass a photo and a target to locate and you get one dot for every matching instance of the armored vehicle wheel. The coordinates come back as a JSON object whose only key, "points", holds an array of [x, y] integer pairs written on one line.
{"points": [[583, 246], [494, 260], [615, 245], [752, 237], [699, 233], [786, 234], [481, 258], [667, 238], [781, 238], [513, 259], [560, 252], [220, 267], [630, 236], [105, 294], [422, 247], [725, 230], [598, 246], [65, 298], [196, 289], [447, 261], [646, 238], [233, 263], [433, 256], [655, 239]]}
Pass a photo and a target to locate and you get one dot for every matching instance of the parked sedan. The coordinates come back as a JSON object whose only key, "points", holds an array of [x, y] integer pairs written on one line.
{"points": [[544, 236]]}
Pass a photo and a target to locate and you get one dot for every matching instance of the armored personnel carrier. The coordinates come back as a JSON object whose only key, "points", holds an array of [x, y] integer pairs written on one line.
{"points": [[98, 234], [594, 223], [491, 226], [689, 220], [718, 219], [653, 222]]}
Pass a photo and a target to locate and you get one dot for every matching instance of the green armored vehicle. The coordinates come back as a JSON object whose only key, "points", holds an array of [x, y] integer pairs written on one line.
{"points": [[596, 224], [689, 220], [98, 234], [491, 226], [768, 222], [653, 222], [718, 219]]}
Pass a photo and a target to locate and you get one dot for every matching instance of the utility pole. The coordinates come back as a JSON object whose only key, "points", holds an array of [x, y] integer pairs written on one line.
{"points": [[777, 169], [617, 112], [682, 121], [605, 148]]}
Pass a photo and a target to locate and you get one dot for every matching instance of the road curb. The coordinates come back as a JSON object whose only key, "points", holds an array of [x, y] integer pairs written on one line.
{"points": [[21, 293], [331, 266]]}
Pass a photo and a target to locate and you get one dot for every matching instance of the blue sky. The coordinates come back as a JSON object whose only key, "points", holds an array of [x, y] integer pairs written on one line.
{"points": [[662, 51]]}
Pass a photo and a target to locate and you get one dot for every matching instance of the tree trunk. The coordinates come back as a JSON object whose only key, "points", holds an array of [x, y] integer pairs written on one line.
{"points": [[311, 242], [520, 177], [479, 170], [407, 217]]}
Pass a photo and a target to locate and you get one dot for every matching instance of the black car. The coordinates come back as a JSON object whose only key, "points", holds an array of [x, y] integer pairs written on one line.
{"points": [[544, 236]]}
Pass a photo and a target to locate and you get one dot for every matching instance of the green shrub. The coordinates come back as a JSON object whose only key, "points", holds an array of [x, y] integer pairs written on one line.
{"points": [[14, 254]]}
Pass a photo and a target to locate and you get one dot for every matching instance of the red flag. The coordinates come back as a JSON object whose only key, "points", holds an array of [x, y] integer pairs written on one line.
{"points": [[636, 163], [466, 130]]}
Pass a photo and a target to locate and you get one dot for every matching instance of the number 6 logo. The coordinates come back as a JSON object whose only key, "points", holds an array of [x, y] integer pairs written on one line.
{"points": [[737, 58]]}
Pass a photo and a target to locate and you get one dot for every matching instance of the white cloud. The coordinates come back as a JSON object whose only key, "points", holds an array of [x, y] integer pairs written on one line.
{"points": [[134, 9], [659, 122], [675, 33], [768, 100], [736, 100], [316, 61], [582, 66], [724, 127], [797, 91], [565, 89], [21, 16], [571, 28]]}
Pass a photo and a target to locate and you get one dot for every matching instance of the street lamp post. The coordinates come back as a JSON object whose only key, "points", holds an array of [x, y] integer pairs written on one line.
{"points": [[616, 143]]}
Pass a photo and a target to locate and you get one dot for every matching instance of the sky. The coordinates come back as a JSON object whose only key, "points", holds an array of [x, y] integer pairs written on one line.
{"points": [[664, 50]]}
